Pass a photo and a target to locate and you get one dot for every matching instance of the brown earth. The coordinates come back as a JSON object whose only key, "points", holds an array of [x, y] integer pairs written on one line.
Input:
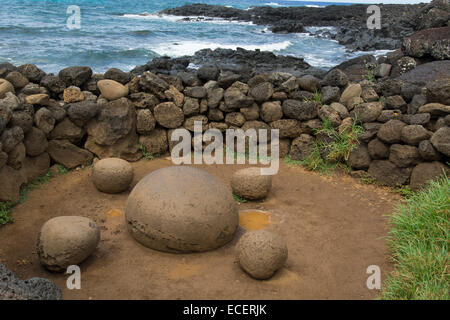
{"points": [[334, 228]]}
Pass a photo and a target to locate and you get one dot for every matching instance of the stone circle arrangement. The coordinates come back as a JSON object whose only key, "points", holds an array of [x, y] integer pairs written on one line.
{"points": [[163, 212]]}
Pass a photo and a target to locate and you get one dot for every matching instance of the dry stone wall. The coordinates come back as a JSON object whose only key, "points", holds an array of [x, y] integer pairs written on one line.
{"points": [[75, 116]]}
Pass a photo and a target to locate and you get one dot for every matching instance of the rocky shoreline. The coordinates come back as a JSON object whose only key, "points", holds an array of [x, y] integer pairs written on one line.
{"points": [[398, 21], [401, 100]]}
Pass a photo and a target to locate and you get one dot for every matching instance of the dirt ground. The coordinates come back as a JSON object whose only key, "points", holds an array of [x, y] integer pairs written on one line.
{"points": [[334, 229]]}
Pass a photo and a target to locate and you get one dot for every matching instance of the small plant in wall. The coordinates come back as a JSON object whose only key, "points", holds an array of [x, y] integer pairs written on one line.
{"points": [[146, 155], [5, 212]]}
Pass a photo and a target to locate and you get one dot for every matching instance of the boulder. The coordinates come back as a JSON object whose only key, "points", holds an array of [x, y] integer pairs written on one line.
{"points": [[12, 180], [387, 115], [214, 97], [391, 131], [353, 90], [425, 172], [417, 119], [44, 120], [301, 147], [53, 83], [427, 73], [367, 112], [330, 94], [73, 94], [5, 86], [216, 115], [378, 149], [261, 253], [193, 214], [13, 288], [208, 71], [288, 128], [439, 91], [115, 120], [17, 79], [440, 140], [66, 129], [35, 167], [112, 175], [298, 110], [250, 113], [112, 90], [81, 112], [174, 95], [151, 83], [68, 154], [16, 156], [198, 92], [236, 119], [434, 42], [428, 152], [309, 83], [144, 100], [168, 115], [250, 184], [414, 134], [359, 158], [38, 99], [335, 78], [75, 76], [271, 111], [10, 138], [65, 241], [155, 142], [191, 106], [145, 122], [32, 73], [387, 173], [35, 142], [118, 75], [235, 99], [404, 156], [435, 109], [23, 120]]}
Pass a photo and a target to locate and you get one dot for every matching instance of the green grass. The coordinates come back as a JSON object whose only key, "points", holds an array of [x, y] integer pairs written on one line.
{"points": [[419, 240], [5, 212], [368, 179], [62, 169], [317, 97], [337, 151], [146, 155], [239, 199]]}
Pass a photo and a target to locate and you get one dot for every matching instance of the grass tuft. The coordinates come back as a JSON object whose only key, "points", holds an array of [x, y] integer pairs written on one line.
{"points": [[146, 155], [239, 199], [5, 212], [419, 240]]}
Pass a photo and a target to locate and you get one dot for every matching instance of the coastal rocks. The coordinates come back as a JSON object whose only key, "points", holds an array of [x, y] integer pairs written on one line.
{"points": [[38, 99], [112, 175], [112, 90], [359, 158], [435, 109], [68, 154], [53, 83], [378, 150], [262, 92], [13, 288], [145, 122], [301, 147], [271, 111], [151, 83], [434, 42], [65, 241], [17, 79], [261, 253], [117, 76], [367, 112], [414, 134], [288, 128], [335, 78], [428, 152], [66, 129], [208, 71], [73, 94], [187, 225], [11, 137], [32, 73], [250, 184], [404, 156], [391, 131], [352, 91], [5, 86], [44, 120], [75, 76]]}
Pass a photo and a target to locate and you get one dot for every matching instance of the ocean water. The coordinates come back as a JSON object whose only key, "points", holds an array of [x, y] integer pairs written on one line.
{"points": [[127, 33]]}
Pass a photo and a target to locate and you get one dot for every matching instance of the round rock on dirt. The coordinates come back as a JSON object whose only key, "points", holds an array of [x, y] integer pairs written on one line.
{"points": [[181, 209], [261, 253], [65, 241], [112, 175], [250, 184]]}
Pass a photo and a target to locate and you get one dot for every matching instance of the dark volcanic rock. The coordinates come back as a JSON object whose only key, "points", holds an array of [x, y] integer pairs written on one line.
{"points": [[12, 288]]}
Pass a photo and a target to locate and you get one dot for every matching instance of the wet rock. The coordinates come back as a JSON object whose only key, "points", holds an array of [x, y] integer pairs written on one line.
{"points": [[208, 71], [75, 76]]}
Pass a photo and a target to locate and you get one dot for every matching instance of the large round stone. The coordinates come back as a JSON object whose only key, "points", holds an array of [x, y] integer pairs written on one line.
{"points": [[250, 184], [261, 253], [112, 175], [66, 240], [181, 209]]}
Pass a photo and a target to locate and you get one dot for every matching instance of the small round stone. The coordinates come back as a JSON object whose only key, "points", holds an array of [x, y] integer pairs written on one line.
{"points": [[181, 209], [250, 184], [261, 253], [65, 241], [112, 175]]}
